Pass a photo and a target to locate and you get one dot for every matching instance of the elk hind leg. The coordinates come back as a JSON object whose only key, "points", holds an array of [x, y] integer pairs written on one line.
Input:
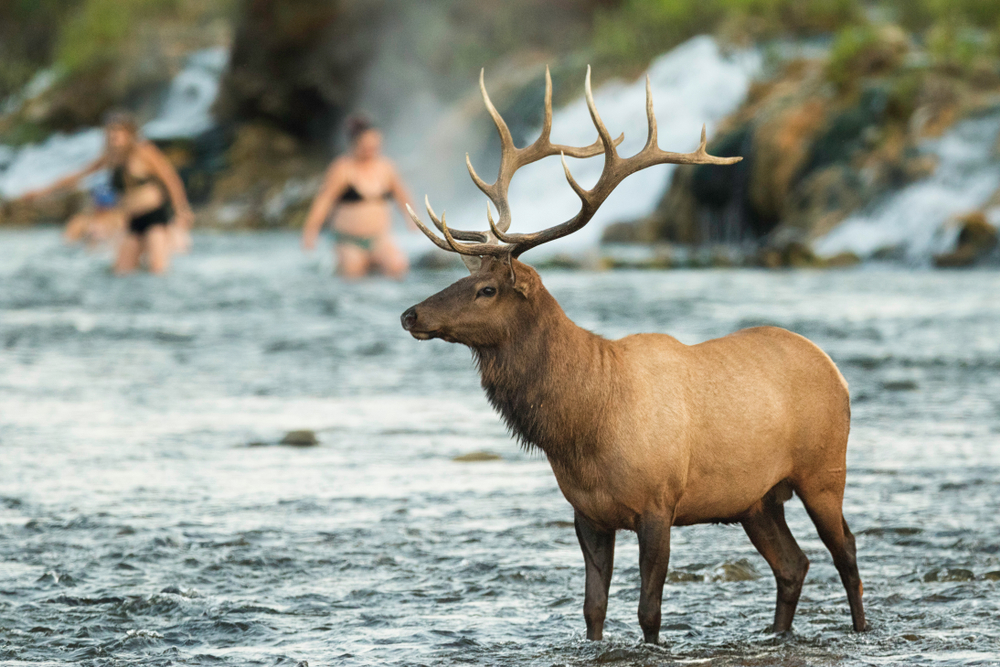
{"points": [[825, 508], [598, 555], [654, 555], [766, 527]]}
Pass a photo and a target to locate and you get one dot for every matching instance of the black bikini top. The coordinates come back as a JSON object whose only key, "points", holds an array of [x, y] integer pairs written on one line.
{"points": [[351, 194], [120, 183]]}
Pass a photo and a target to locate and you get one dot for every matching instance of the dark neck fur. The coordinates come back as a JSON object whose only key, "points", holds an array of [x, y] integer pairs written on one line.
{"points": [[552, 383]]}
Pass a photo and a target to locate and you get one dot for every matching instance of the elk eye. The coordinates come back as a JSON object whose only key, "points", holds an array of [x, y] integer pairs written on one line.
{"points": [[487, 291]]}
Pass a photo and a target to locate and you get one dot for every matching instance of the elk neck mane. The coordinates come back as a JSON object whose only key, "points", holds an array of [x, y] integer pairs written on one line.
{"points": [[553, 382]]}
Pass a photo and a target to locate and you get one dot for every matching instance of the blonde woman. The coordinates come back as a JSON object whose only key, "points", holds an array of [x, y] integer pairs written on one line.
{"points": [[149, 197]]}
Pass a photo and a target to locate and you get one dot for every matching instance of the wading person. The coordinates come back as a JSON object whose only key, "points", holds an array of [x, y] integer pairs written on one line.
{"points": [[99, 222], [357, 189], [150, 202]]}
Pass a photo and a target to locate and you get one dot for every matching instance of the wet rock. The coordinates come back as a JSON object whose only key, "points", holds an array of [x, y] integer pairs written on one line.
{"points": [[628, 232], [843, 259], [739, 570], [794, 254], [475, 457], [682, 577], [949, 574], [992, 576], [268, 180], [977, 238], [900, 385], [302, 438], [55, 208], [298, 65]]}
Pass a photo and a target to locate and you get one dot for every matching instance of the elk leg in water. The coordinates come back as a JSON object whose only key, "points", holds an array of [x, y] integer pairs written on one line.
{"points": [[766, 527], [599, 556], [654, 554], [824, 508]]}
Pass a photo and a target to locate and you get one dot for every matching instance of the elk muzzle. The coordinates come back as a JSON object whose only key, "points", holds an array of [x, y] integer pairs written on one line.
{"points": [[411, 322]]}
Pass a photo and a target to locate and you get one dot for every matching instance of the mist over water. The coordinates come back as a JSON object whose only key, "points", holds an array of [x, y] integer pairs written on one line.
{"points": [[138, 525]]}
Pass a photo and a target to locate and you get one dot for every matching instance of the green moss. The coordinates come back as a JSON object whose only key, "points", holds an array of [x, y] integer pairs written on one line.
{"points": [[920, 15], [957, 46], [638, 30], [96, 32], [25, 132], [851, 45]]}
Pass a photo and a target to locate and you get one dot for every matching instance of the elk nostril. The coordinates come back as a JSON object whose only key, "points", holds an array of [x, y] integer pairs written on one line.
{"points": [[408, 318]]}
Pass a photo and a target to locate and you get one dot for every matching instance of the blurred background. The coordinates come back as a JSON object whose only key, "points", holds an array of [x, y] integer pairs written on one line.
{"points": [[248, 462], [868, 128]]}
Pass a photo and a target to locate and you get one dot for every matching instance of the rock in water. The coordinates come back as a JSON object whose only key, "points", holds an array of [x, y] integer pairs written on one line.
{"points": [[475, 457], [976, 239], [300, 439]]}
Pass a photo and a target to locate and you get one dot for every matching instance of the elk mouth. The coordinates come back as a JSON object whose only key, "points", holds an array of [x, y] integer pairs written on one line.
{"points": [[425, 335]]}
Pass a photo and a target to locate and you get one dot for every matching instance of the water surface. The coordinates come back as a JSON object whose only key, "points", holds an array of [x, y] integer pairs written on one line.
{"points": [[137, 525]]}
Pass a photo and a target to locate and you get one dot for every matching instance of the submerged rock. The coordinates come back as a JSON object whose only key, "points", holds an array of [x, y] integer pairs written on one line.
{"points": [[303, 438], [475, 457], [900, 385]]}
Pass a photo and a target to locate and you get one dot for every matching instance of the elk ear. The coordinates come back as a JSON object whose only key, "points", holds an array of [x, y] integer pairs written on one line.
{"points": [[472, 262], [522, 283]]}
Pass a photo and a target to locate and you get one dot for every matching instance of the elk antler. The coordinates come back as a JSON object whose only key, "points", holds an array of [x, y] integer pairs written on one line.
{"points": [[616, 169]]}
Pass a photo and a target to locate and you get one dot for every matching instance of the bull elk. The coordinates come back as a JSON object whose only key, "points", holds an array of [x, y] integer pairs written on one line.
{"points": [[646, 433]]}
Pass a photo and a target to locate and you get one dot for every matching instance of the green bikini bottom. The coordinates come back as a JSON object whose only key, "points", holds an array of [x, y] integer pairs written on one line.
{"points": [[366, 243]]}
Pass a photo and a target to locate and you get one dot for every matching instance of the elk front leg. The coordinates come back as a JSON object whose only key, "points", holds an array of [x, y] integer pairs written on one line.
{"points": [[654, 554], [599, 556]]}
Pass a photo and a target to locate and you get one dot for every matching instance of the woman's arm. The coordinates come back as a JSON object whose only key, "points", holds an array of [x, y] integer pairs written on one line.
{"points": [[165, 171], [334, 185], [66, 181], [402, 196]]}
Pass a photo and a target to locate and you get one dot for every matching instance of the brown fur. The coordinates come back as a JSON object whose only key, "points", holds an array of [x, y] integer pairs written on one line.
{"points": [[645, 433]]}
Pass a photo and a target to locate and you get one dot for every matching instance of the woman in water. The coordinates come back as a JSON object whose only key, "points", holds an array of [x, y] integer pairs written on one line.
{"points": [[357, 189], [149, 193]]}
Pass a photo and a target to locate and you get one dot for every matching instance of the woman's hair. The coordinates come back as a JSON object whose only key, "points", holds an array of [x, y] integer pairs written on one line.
{"points": [[357, 125], [122, 118]]}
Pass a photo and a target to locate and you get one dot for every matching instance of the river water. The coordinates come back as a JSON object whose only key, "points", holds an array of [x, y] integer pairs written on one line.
{"points": [[139, 526]]}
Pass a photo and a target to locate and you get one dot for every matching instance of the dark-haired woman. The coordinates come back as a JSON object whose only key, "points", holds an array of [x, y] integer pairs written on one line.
{"points": [[150, 196], [358, 188]]}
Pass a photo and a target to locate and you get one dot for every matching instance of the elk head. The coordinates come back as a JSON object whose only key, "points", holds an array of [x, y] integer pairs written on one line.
{"points": [[488, 308]]}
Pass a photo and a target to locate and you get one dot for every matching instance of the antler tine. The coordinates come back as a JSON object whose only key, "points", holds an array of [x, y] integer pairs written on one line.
{"points": [[506, 141], [699, 156], [497, 232], [572, 181], [547, 117], [457, 233], [477, 249], [602, 130], [428, 233], [651, 117]]}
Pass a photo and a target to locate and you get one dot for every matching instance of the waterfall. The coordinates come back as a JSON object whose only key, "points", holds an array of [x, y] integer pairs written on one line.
{"points": [[693, 84], [185, 113], [912, 220]]}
